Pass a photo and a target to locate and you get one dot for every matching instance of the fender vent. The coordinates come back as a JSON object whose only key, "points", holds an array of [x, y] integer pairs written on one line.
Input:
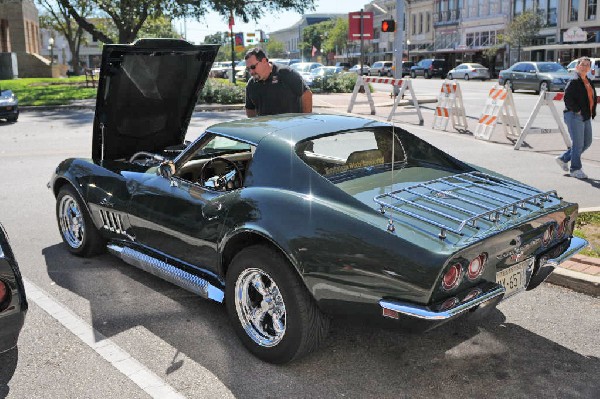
{"points": [[112, 221]]}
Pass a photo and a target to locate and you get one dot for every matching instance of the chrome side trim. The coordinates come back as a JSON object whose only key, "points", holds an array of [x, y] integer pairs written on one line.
{"points": [[424, 312], [168, 272]]}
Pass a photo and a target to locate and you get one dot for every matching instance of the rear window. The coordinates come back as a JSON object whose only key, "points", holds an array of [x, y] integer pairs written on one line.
{"points": [[356, 154]]}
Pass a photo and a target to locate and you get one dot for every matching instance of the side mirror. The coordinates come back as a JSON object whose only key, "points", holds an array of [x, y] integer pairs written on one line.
{"points": [[166, 169]]}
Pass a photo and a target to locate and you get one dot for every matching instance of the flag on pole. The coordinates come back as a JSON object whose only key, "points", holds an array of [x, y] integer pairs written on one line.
{"points": [[314, 51], [231, 21]]}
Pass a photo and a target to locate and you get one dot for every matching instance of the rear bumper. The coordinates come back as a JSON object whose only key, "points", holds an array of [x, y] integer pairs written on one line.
{"points": [[485, 296]]}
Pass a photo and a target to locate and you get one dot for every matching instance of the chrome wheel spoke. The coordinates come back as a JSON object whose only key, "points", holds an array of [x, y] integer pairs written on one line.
{"points": [[260, 307]]}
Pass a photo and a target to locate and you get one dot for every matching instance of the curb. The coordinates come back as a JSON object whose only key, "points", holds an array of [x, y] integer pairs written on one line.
{"points": [[575, 281]]}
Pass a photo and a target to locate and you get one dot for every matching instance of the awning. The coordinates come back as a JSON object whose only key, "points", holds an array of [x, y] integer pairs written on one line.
{"points": [[567, 46]]}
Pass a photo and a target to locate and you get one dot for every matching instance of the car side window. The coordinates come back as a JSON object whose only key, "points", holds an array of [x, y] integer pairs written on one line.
{"points": [[199, 166], [529, 68]]}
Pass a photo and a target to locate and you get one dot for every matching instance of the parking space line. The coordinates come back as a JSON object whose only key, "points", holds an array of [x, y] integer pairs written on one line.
{"points": [[139, 374]]}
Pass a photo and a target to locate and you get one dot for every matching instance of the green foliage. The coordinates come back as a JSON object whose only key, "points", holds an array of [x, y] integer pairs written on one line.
{"points": [[340, 83], [158, 27], [338, 36], [588, 227], [220, 91], [47, 91], [275, 49], [523, 29]]}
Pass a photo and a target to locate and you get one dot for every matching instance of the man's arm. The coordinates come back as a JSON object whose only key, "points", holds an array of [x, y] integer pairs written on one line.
{"points": [[306, 102], [250, 113]]}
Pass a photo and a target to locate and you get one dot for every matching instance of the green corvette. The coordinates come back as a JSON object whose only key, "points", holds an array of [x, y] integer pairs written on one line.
{"points": [[294, 219]]}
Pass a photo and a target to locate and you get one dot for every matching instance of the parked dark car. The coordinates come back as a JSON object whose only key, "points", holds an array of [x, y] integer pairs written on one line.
{"points": [[536, 76], [293, 219], [13, 302], [406, 65], [429, 68], [343, 65], [9, 106]]}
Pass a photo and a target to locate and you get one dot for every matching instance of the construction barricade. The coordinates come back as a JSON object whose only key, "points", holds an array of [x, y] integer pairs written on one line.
{"points": [[450, 107], [499, 105], [546, 99], [404, 84]]}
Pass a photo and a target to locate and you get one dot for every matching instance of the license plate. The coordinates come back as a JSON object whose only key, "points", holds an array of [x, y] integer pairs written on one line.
{"points": [[514, 278]]}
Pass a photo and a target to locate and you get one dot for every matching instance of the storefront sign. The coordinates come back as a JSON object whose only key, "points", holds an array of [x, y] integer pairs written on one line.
{"points": [[575, 34]]}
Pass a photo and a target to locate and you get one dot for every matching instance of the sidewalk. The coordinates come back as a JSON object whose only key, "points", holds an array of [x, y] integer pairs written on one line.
{"points": [[580, 273]]}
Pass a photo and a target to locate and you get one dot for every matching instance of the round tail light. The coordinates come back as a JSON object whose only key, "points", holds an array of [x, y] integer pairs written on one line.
{"points": [[548, 234], [451, 277], [476, 267]]}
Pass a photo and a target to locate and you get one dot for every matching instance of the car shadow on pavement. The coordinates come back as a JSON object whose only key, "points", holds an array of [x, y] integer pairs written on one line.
{"points": [[8, 365], [464, 358]]}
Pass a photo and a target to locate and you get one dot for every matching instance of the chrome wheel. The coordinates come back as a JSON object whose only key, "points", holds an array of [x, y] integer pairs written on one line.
{"points": [[72, 223], [260, 307], [544, 86]]}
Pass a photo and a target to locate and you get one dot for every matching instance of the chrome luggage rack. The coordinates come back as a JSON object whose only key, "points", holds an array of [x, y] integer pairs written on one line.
{"points": [[464, 200]]}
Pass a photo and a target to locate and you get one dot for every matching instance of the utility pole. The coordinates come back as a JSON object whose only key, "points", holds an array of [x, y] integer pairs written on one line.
{"points": [[362, 30], [398, 42]]}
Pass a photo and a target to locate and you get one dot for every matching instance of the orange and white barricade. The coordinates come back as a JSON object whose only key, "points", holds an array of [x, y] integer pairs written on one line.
{"points": [[450, 107], [499, 105], [404, 84], [546, 99]]}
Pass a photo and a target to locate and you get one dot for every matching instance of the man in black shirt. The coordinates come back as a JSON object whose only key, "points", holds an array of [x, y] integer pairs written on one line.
{"points": [[274, 89]]}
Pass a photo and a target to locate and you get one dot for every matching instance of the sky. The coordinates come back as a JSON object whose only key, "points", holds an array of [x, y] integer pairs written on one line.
{"points": [[213, 22]]}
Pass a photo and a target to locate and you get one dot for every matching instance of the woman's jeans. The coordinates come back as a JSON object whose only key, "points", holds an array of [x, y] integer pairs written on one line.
{"points": [[581, 136]]}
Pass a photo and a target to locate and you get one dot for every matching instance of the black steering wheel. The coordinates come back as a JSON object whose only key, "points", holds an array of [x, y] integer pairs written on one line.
{"points": [[220, 174]]}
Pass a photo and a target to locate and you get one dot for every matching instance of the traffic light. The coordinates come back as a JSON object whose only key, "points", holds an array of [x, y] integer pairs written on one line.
{"points": [[388, 25]]}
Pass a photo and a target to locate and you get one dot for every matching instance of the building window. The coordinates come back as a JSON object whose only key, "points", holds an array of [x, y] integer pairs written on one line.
{"points": [[414, 24], [421, 22], [471, 8], [483, 8], [573, 10], [428, 21], [591, 10], [470, 40], [551, 20]]}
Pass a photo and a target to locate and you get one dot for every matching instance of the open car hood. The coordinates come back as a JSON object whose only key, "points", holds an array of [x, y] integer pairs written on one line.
{"points": [[146, 95]]}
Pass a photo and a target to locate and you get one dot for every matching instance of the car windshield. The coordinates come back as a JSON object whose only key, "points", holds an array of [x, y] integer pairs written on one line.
{"points": [[354, 155], [301, 67], [551, 67]]}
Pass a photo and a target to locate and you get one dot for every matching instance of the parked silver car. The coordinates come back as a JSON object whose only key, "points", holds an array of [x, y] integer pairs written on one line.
{"points": [[469, 71], [356, 69], [536, 76]]}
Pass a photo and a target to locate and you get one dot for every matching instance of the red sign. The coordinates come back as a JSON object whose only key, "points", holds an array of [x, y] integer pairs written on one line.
{"points": [[354, 25]]}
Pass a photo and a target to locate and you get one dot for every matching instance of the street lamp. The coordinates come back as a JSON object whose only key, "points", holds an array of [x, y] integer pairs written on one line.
{"points": [[51, 48], [407, 50]]}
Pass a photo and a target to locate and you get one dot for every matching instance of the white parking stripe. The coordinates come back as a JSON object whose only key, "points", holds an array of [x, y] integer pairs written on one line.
{"points": [[121, 360]]}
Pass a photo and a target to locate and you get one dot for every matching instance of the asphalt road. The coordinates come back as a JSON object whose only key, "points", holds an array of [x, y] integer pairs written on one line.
{"points": [[538, 344]]}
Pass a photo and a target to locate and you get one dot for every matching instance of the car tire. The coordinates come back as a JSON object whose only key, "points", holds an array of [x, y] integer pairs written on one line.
{"points": [[466, 77], [413, 75], [450, 76], [426, 75], [544, 86], [300, 327], [508, 84], [381, 73], [12, 118], [75, 224]]}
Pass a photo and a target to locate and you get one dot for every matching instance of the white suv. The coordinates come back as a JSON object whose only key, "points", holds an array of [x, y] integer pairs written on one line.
{"points": [[593, 74]]}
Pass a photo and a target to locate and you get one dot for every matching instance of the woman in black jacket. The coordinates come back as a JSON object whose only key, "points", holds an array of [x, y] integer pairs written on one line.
{"points": [[580, 109]]}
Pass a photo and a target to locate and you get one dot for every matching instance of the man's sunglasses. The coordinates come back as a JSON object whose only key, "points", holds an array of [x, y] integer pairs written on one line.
{"points": [[253, 67]]}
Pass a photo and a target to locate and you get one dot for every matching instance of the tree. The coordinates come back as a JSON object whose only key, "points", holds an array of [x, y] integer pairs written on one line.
{"points": [[522, 30], [275, 49], [158, 27], [56, 18], [129, 16], [337, 39], [315, 36]]}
